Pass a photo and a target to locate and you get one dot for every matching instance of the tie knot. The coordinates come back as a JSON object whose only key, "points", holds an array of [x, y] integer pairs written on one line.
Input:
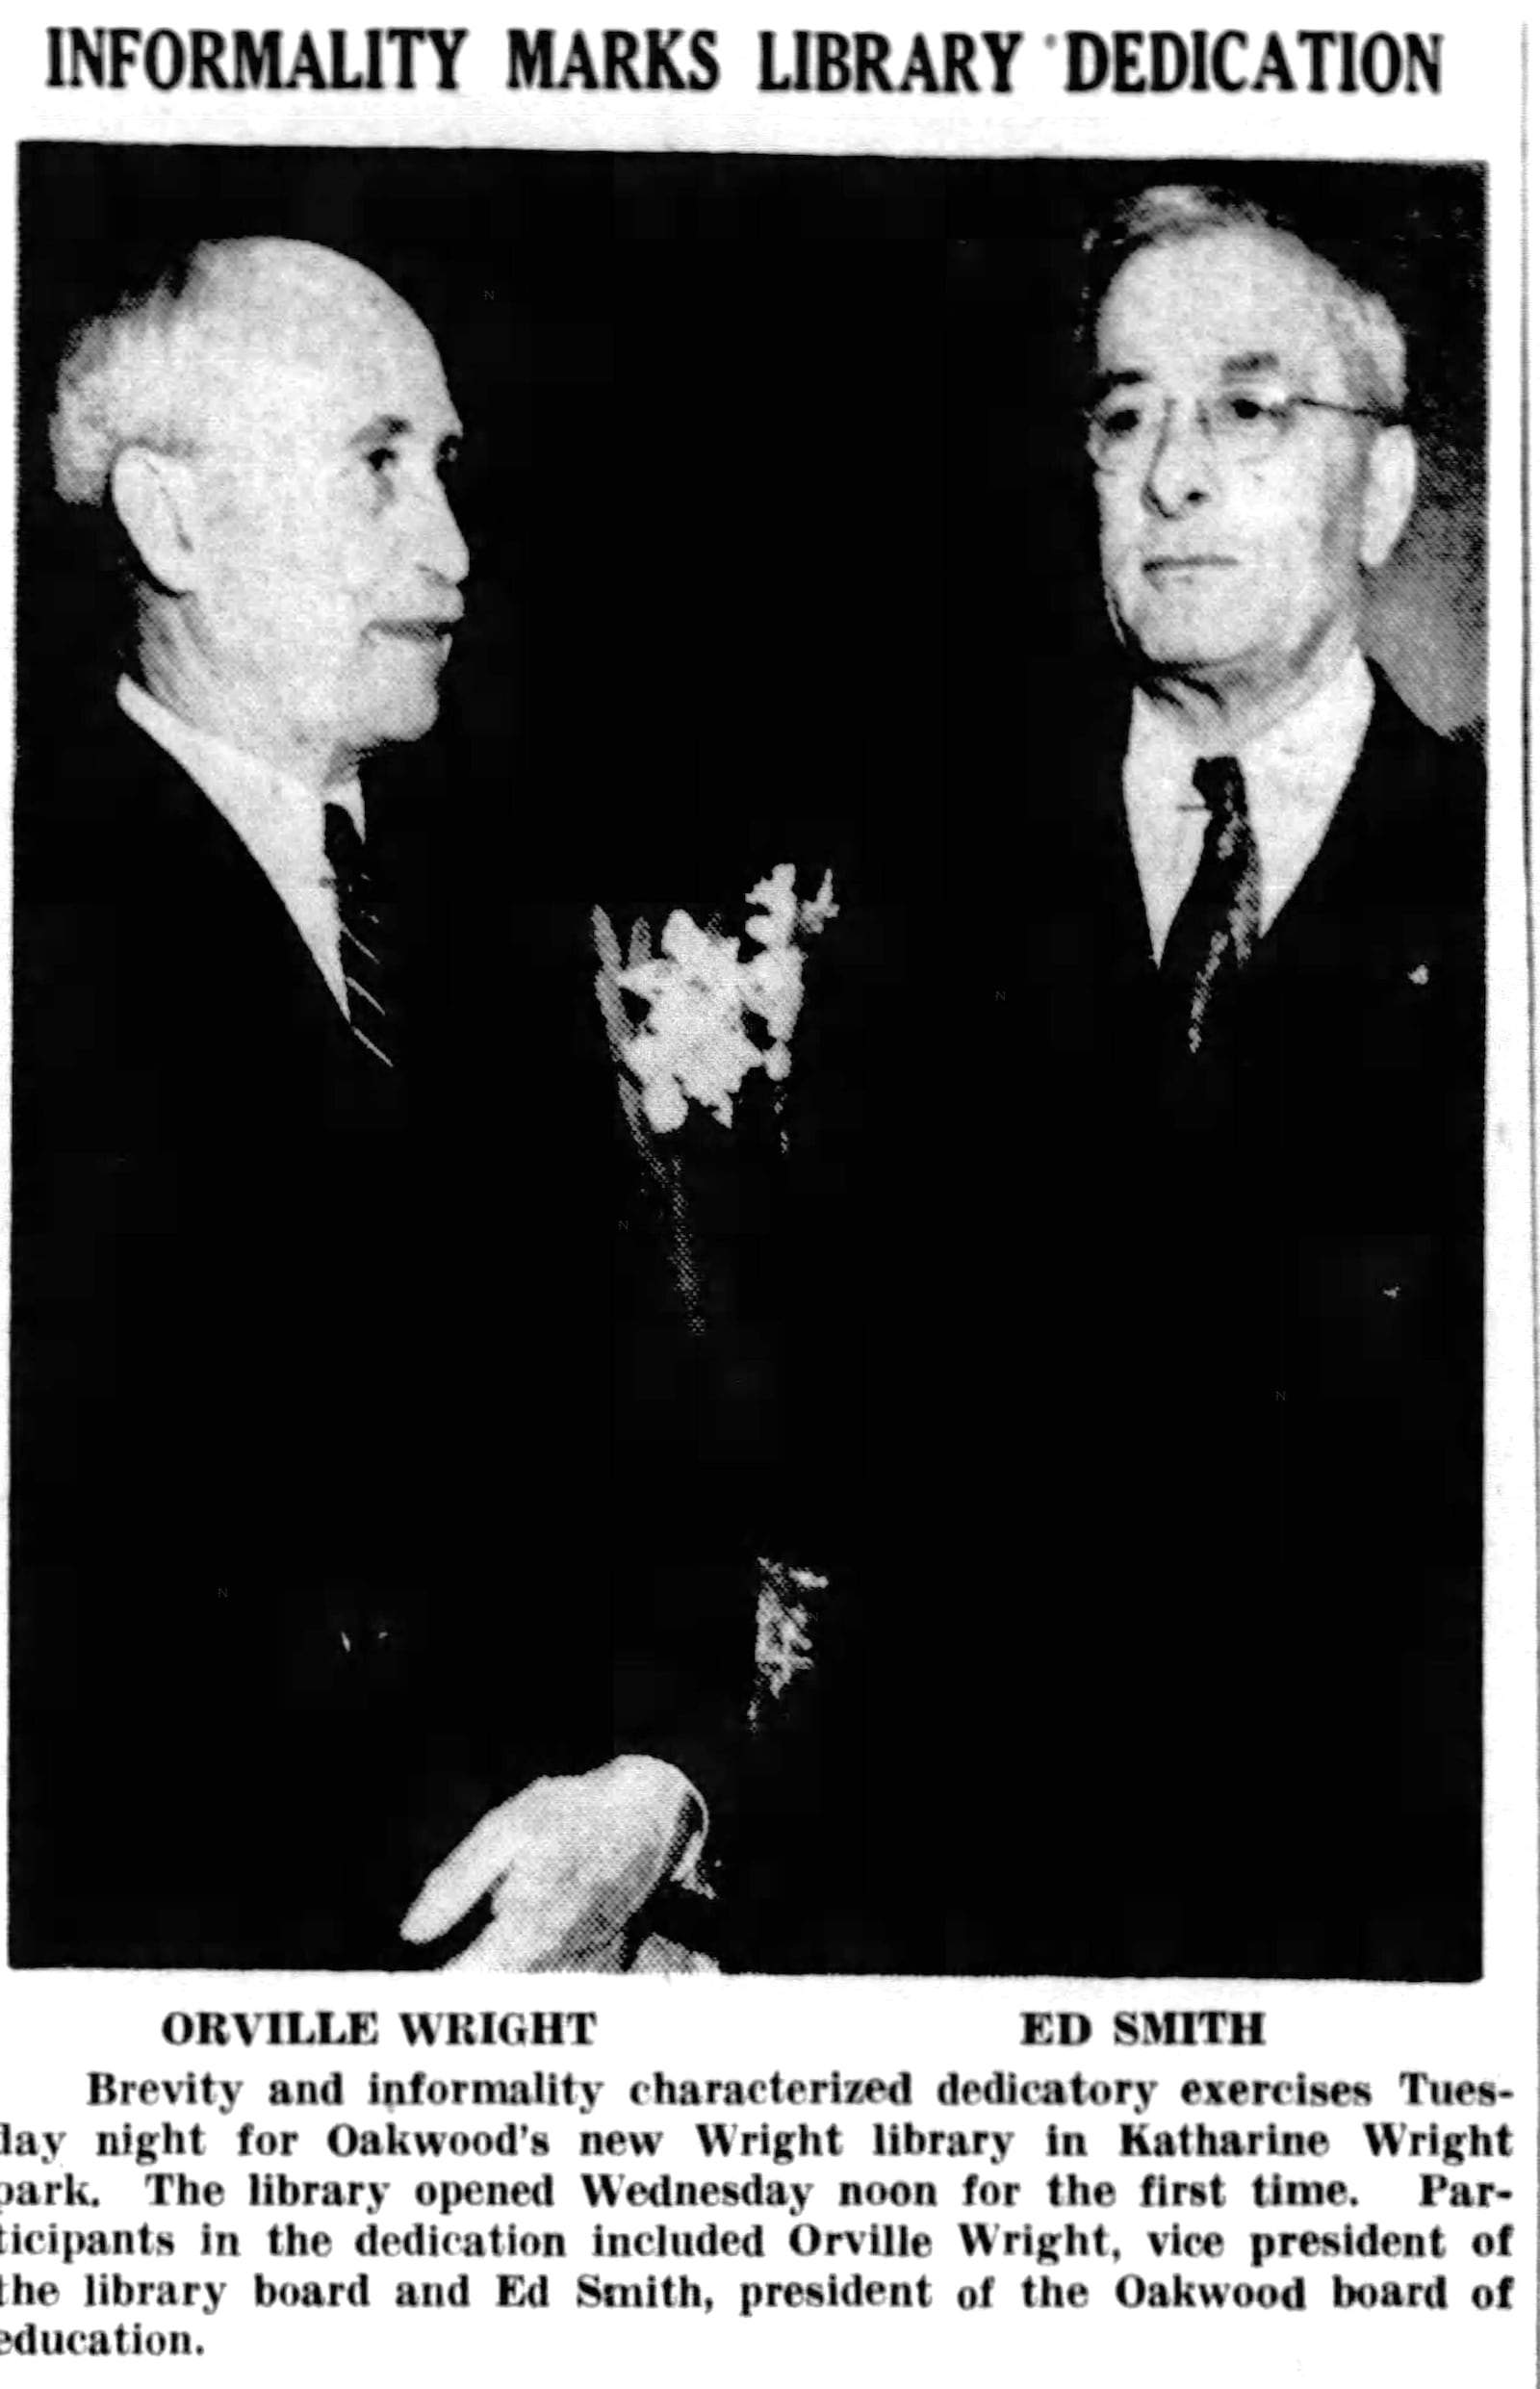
{"points": [[343, 845], [1221, 784]]}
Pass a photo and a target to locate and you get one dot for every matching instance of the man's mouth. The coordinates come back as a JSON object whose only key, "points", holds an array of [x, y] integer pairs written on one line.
{"points": [[1169, 568], [423, 629]]}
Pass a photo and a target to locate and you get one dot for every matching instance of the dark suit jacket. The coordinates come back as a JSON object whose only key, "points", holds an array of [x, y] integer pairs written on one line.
{"points": [[1142, 1423], [332, 1523]]}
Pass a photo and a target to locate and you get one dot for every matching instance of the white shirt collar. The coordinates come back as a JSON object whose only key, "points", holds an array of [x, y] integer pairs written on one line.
{"points": [[1295, 772], [276, 817]]}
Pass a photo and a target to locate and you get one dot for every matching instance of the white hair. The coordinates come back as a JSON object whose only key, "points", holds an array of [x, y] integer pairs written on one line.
{"points": [[1368, 339], [140, 377]]}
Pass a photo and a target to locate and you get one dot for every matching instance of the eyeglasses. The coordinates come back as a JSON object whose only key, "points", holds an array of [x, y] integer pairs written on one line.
{"points": [[1245, 426]]}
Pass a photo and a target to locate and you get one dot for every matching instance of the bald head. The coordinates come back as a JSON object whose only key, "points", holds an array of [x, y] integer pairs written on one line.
{"points": [[158, 370], [269, 424]]}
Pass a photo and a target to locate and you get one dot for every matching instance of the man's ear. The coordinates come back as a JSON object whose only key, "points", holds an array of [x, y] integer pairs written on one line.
{"points": [[157, 506], [1390, 485]]}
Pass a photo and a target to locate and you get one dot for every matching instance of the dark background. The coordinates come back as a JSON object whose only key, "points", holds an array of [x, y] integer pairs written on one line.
{"points": [[782, 544], [773, 466]]}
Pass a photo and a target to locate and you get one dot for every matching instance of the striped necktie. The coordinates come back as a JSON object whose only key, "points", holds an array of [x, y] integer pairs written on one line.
{"points": [[1220, 918], [362, 944]]}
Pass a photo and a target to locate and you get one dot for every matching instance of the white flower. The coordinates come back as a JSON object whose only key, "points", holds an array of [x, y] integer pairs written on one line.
{"points": [[695, 1046], [788, 1618]]}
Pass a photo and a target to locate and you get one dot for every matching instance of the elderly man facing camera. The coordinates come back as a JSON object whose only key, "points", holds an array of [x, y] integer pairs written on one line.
{"points": [[1266, 1044], [314, 1485], [1157, 1398]]}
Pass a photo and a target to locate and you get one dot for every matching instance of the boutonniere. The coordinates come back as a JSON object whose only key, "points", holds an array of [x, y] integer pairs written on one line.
{"points": [[716, 1011]]}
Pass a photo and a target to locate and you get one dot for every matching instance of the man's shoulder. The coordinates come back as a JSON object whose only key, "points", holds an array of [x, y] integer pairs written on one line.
{"points": [[1400, 739], [98, 803], [140, 913], [84, 726], [1420, 800]]}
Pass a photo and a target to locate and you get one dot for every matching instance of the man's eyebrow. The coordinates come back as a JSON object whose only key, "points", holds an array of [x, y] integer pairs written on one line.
{"points": [[1246, 366], [379, 432]]}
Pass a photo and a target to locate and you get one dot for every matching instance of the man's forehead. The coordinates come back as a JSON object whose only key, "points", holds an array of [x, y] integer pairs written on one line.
{"points": [[1214, 298], [326, 378]]}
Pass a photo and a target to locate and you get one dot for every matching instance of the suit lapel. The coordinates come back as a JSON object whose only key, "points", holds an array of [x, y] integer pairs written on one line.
{"points": [[1098, 831], [240, 950], [1094, 937], [1380, 878], [1365, 868]]}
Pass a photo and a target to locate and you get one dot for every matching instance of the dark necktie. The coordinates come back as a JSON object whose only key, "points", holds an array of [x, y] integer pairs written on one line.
{"points": [[1220, 918], [362, 942]]}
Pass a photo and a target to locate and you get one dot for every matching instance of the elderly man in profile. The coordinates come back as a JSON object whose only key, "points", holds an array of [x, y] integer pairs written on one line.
{"points": [[1157, 1392], [311, 1553]]}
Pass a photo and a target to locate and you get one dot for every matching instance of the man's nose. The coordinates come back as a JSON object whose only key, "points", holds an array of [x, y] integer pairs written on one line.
{"points": [[1180, 472], [440, 543]]}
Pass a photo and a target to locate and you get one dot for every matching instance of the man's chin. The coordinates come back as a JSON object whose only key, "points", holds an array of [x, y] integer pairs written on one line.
{"points": [[411, 714], [1208, 656]]}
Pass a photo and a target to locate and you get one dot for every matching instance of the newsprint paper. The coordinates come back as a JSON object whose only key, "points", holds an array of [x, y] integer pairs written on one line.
{"points": [[771, 1198]]}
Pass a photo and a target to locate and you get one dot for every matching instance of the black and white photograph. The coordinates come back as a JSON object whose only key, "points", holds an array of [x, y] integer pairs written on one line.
{"points": [[749, 1043]]}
